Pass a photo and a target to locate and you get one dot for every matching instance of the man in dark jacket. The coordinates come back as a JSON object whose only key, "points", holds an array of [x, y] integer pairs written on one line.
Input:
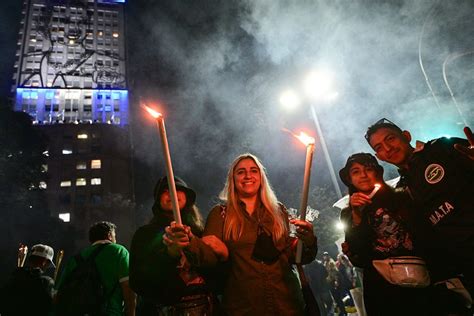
{"points": [[29, 291], [440, 178]]}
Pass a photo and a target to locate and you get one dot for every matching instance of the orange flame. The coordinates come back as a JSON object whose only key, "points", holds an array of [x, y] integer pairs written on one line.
{"points": [[152, 112], [303, 137]]}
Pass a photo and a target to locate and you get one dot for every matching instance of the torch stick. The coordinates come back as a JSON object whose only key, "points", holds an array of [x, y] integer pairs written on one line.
{"points": [[304, 198], [22, 252], [376, 188], [59, 259], [169, 167]]}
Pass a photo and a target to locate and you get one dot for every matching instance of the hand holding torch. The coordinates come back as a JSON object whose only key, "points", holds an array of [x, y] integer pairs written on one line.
{"points": [[22, 252]]}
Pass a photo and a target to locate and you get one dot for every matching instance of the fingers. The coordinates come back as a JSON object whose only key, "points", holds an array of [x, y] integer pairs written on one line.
{"points": [[359, 199], [467, 151], [469, 135]]}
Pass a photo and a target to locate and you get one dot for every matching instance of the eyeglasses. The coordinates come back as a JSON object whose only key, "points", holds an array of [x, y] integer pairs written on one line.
{"points": [[383, 122]]}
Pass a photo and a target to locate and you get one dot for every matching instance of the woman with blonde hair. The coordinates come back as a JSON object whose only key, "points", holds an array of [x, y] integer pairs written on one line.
{"points": [[254, 227]]}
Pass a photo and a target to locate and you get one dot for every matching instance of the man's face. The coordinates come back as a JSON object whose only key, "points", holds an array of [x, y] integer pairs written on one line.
{"points": [[392, 146]]}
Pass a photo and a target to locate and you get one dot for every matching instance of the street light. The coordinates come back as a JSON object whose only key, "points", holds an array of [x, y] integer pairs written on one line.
{"points": [[318, 86]]}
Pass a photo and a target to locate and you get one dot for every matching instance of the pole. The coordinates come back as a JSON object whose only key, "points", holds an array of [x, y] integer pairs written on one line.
{"points": [[304, 198], [169, 169], [326, 153]]}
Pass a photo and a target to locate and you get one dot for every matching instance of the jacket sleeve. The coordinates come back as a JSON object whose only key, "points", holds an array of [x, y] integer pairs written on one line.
{"points": [[198, 253], [153, 273], [358, 239]]}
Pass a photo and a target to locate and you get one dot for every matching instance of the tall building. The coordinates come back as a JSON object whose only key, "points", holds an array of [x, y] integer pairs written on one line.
{"points": [[70, 77]]}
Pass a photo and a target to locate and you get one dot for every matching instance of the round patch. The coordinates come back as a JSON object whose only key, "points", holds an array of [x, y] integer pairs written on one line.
{"points": [[434, 173]]}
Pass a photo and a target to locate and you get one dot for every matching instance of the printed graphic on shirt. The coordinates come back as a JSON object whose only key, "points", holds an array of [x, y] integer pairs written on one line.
{"points": [[434, 173], [390, 236]]}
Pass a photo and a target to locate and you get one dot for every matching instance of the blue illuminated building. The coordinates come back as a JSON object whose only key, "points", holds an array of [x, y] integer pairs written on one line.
{"points": [[70, 77]]}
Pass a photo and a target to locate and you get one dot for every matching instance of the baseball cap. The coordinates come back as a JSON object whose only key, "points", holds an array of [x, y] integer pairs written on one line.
{"points": [[43, 251]]}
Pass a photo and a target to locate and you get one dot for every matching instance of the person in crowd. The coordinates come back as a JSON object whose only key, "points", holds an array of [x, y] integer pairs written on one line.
{"points": [[317, 274], [165, 281], [377, 228], [29, 291], [439, 177], [255, 228], [334, 281], [112, 263], [347, 276]]}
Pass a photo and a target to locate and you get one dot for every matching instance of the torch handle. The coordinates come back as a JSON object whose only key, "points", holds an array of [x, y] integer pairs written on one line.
{"points": [[169, 170], [59, 259], [304, 198]]}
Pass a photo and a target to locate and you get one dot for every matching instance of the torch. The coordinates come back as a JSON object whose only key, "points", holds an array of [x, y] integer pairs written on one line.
{"points": [[160, 121], [376, 188], [308, 141], [59, 259], [311, 307], [22, 252]]}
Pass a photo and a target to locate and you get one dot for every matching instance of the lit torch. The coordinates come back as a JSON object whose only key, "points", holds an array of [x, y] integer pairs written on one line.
{"points": [[169, 167], [308, 141], [376, 188]]}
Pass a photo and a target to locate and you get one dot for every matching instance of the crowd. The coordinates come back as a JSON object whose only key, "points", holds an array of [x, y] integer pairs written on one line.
{"points": [[408, 249]]}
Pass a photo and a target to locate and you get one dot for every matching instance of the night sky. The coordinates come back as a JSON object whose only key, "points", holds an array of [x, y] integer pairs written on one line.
{"points": [[216, 69]]}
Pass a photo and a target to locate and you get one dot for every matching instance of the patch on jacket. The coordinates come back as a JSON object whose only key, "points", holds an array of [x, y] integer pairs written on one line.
{"points": [[434, 173]]}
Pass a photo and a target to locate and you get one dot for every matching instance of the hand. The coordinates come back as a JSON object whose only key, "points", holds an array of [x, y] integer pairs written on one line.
{"points": [[219, 248], [468, 151], [359, 199], [176, 238], [304, 231]]}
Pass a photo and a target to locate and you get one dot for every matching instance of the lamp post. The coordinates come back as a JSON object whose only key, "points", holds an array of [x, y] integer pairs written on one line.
{"points": [[318, 87]]}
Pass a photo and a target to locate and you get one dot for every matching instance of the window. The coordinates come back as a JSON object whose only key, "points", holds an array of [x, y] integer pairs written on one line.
{"points": [[96, 181], [81, 165], [96, 164], [65, 217], [44, 168], [82, 136], [43, 185], [80, 182], [66, 183], [67, 151]]}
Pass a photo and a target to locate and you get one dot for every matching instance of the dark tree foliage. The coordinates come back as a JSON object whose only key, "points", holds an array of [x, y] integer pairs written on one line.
{"points": [[24, 217]]}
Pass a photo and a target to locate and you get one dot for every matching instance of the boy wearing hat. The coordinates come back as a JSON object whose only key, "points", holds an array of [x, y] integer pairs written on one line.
{"points": [[30, 285], [376, 229]]}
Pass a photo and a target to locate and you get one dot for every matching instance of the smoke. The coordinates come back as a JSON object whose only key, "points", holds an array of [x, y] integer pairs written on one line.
{"points": [[216, 69]]}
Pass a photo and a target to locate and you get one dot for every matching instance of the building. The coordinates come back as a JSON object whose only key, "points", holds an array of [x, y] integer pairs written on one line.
{"points": [[70, 77]]}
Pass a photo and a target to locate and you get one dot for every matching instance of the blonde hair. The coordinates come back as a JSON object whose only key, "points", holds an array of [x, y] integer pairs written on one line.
{"points": [[234, 219]]}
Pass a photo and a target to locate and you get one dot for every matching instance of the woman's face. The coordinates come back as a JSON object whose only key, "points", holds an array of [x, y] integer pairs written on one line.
{"points": [[363, 178], [247, 178], [165, 200]]}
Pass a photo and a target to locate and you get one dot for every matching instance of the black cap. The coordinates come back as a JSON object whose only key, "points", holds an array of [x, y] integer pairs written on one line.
{"points": [[364, 159], [162, 185]]}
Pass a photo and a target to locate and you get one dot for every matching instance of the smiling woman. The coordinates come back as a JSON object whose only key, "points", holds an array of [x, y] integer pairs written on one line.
{"points": [[254, 227]]}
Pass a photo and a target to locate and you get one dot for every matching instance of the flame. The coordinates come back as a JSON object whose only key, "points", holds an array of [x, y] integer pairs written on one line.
{"points": [[376, 188], [303, 137], [152, 112]]}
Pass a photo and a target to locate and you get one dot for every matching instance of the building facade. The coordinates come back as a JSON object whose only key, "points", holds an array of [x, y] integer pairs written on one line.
{"points": [[70, 77]]}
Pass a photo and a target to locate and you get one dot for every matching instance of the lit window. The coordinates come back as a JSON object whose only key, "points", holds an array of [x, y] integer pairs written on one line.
{"points": [[67, 151], [43, 185], [80, 182], [115, 34], [81, 166], [44, 168], [95, 181], [65, 217], [96, 164], [65, 183], [82, 136]]}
